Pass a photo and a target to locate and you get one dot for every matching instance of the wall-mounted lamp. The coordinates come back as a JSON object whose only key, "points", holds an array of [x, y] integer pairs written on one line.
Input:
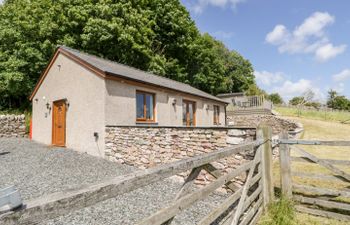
{"points": [[59, 67], [67, 103], [48, 106], [174, 102], [207, 107], [36, 100], [96, 136]]}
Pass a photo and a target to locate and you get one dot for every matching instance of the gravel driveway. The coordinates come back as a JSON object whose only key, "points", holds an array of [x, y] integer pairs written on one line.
{"points": [[37, 170]]}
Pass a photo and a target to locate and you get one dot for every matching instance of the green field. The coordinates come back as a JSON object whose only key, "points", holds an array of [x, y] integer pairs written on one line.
{"points": [[340, 116], [319, 130]]}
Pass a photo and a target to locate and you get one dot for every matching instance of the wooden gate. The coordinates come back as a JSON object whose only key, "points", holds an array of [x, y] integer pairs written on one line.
{"points": [[243, 206], [333, 203]]}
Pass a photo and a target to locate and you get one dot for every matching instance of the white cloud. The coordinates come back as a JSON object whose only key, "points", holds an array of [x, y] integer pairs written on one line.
{"points": [[200, 5], [328, 51], [267, 78], [308, 38], [343, 75], [291, 89], [314, 25], [223, 34], [278, 35]]}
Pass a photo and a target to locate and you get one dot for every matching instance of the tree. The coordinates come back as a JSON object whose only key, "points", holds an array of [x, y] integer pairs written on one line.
{"points": [[254, 90], [316, 105], [153, 35], [296, 101], [336, 101], [275, 98], [305, 100], [308, 96], [341, 103]]}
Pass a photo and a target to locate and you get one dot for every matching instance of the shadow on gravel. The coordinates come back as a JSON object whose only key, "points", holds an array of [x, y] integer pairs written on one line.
{"points": [[4, 153]]}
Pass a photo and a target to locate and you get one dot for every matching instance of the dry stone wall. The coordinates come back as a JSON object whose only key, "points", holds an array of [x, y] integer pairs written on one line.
{"points": [[278, 124], [12, 126], [146, 147]]}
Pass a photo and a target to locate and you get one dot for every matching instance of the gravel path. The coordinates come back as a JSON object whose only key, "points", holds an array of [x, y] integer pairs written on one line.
{"points": [[37, 170], [132, 207]]}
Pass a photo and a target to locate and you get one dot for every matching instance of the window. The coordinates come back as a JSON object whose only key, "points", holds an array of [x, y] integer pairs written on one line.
{"points": [[145, 106], [216, 115], [188, 113]]}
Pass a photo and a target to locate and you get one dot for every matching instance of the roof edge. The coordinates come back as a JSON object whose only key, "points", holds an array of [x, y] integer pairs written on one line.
{"points": [[111, 75], [75, 58]]}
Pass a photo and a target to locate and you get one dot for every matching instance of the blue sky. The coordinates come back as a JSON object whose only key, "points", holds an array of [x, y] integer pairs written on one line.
{"points": [[294, 46]]}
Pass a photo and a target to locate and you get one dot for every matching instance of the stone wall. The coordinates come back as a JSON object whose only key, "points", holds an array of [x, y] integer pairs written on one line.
{"points": [[278, 124], [146, 147], [12, 126]]}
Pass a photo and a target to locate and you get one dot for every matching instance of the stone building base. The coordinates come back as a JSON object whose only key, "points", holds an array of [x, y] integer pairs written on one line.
{"points": [[146, 147]]}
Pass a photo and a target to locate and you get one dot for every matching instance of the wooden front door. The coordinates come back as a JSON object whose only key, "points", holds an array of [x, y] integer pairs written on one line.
{"points": [[59, 123]]}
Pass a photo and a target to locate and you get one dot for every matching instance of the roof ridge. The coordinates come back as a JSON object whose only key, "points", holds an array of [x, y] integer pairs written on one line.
{"points": [[146, 73]]}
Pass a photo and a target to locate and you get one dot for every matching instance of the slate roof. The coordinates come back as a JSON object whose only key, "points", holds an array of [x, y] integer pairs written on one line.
{"points": [[127, 72]]}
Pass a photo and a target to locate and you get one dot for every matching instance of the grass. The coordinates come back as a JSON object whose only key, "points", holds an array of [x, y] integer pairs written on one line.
{"points": [[320, 130], [305, 219], [315, 114], [280, 212], [28, 116]]}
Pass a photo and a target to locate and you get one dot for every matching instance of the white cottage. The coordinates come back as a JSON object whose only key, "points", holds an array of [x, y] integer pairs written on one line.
{"points": [[79, 95]]}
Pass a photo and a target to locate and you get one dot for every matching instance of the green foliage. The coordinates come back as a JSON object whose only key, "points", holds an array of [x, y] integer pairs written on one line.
{"points": [[275, 98], [280, 212], [153, 35], [341, 103], [28, 117], [253, 89], [316, 105], [296, 101], [336, 101]]}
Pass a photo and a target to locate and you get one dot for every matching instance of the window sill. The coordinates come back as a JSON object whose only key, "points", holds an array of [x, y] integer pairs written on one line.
{"points": [[146, 123]]}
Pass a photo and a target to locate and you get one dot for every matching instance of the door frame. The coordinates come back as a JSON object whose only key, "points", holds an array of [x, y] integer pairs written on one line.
{"points": [[53, 122], [194, 105]]}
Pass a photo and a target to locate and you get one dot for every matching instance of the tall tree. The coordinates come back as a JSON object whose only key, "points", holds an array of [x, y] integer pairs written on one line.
{"points": [[153, 35], [331, 96]]}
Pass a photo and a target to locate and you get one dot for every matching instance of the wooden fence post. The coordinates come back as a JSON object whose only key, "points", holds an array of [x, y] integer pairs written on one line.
{"points": [[264, 134], [285, 165]]}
